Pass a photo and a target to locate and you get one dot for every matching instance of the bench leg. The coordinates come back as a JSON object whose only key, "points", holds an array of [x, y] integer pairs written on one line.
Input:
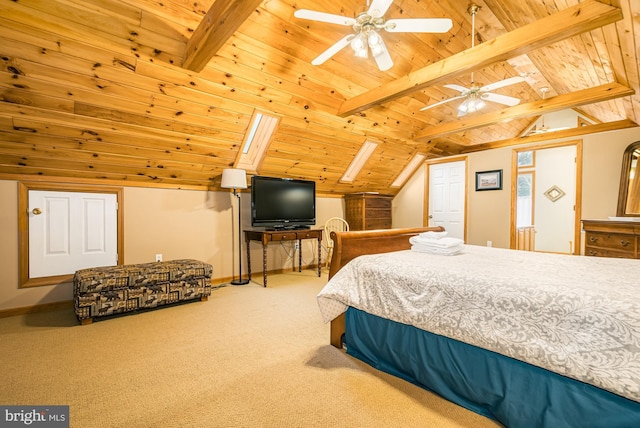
{"points": [[86, 321]]}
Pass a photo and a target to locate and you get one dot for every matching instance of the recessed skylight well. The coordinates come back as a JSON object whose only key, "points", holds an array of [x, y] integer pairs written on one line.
{"points": [[408, 170], [261, 130], [358, 162]]}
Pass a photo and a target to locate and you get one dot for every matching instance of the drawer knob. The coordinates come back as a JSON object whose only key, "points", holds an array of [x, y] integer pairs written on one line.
{"points": [[593, 239], [624, 243], [593, 253]]}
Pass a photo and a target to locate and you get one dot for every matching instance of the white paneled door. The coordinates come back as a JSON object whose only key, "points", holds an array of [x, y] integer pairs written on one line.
{"points": [[70, 231], [555, 199], [447, 197]]}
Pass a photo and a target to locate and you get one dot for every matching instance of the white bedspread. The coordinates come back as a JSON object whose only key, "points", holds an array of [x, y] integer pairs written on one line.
{"points": [[577, 316]]}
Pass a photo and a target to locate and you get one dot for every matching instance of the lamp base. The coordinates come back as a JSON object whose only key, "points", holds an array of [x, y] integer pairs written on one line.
{"points": [[239, 281]]}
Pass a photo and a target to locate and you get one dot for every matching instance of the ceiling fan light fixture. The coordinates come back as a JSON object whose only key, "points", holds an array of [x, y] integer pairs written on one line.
{"points": [[360, 46], [375, 43], [472, 104]]}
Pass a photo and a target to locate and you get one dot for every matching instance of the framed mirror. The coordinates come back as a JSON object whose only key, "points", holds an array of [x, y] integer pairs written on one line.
{"points": [[629, 196]]}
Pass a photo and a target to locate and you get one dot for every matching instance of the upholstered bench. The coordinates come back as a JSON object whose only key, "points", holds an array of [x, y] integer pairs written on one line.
{"points": [[111, 290]]}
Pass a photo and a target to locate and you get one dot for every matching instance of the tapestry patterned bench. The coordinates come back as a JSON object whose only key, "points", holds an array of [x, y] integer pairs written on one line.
{"points": [[104, 291]]}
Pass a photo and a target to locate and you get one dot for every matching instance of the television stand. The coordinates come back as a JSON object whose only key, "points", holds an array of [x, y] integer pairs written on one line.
{"points": [[277, 236], [282, 228]]}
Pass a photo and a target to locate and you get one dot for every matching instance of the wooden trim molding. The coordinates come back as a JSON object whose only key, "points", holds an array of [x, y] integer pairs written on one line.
{"points": [[44, 307], [23, 226]]}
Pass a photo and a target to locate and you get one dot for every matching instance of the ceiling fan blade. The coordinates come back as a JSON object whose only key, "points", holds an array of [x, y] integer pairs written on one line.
{"points": [[502, 83], [456, 87], [383, 59], [500, 99], [324, 17], [418, 25], [379, 7], [335, 48], [441, 102]]}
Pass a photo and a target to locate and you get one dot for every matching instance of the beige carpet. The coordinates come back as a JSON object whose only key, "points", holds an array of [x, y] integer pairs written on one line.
{"points": [[248, 357]]}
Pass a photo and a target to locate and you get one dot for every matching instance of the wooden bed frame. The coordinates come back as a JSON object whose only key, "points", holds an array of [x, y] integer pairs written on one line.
{"points": [[349, 245]]}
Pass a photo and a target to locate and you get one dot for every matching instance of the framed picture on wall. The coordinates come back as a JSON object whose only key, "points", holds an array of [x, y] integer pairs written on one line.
{"points": [[489, 180]]}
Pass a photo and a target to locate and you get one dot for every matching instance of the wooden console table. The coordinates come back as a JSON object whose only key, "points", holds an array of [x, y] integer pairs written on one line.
{"points": [[277, 236]]}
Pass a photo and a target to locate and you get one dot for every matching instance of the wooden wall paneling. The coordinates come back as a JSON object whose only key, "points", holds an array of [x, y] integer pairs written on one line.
{"points": [[80, 32], [76, 127], [181, 14], [151, 149], [628, 39], [46, 43], [16, 95], [201, 112], [115, 23]]}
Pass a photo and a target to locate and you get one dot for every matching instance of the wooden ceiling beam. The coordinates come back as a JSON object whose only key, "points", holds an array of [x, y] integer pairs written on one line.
{"points": [[556, 135], [221, 21], [560, 102], [575, 20]]}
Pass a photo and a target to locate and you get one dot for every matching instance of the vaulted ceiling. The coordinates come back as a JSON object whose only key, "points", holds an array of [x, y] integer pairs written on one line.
{"points": [[161, 93]]}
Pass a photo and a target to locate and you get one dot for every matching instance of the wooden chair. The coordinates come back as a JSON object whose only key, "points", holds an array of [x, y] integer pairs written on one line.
{"points": [[336, 224]]}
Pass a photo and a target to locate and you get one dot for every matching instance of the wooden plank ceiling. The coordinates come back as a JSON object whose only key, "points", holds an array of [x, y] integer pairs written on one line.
{"points": [[151, 93]]}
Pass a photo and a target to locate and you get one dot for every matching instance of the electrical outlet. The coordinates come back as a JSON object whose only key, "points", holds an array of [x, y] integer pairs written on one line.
{"points": [[158, 257], [489, 244], [297, 244]]}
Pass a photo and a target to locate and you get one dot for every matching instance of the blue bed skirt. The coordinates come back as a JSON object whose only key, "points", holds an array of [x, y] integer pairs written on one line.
{"points": [[514, 393]]}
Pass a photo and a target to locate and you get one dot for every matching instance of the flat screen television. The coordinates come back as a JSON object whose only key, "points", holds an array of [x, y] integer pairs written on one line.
{"points": [[282, 203]]}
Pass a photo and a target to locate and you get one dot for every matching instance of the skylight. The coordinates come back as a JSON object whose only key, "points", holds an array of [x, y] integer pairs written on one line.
{"points": [[256, 141], [409, 169], [358, 162]]}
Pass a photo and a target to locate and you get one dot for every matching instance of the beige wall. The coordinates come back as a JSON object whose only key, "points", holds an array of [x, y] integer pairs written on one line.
{"points": [[407, 206], [176, 223], [488, 213]]}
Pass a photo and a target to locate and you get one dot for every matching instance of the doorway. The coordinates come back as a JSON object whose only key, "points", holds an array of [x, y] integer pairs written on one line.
{"points": [[447, 192], [545, 213], [48, 214]]}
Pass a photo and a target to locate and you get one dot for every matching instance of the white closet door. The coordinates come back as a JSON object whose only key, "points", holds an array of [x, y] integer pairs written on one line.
{"points": [[70, 231], [447, 197]]}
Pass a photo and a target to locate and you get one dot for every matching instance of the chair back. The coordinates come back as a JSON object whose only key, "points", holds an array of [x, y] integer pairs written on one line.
{"points": [[334, 224]]}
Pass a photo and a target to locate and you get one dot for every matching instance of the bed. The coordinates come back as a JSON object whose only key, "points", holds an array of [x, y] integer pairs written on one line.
{"points": [[555, 348]]}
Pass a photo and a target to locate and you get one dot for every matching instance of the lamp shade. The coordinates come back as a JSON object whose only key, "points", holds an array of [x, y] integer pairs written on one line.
{"points": [[234, 178]]}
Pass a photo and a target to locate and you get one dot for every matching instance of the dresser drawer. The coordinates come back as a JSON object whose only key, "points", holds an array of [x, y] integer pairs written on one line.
{"points": [[377, 223], [605, 252], [611, 241], [375, 203]]}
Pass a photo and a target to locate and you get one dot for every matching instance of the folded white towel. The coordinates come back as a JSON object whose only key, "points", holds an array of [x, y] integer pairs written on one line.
{"points": [[435, 250], [433, 235], [446, 242]]}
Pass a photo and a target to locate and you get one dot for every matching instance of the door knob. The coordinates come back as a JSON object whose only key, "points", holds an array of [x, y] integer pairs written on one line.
{"points": [[36, 211]]}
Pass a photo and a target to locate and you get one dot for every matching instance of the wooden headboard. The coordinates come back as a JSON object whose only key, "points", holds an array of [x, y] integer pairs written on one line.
{"points": [[349, 245]]}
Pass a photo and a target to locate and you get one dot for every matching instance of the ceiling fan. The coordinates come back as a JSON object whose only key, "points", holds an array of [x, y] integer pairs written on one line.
{"points": [[366, 27], [476, 95], [543, 129]]}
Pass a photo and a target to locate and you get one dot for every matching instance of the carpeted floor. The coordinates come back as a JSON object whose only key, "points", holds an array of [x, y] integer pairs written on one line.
{"points": [[248, 357]]}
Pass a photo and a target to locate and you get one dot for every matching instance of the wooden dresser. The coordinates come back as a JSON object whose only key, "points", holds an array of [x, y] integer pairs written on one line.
{"points": [[368, 211], [612, 238]]}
